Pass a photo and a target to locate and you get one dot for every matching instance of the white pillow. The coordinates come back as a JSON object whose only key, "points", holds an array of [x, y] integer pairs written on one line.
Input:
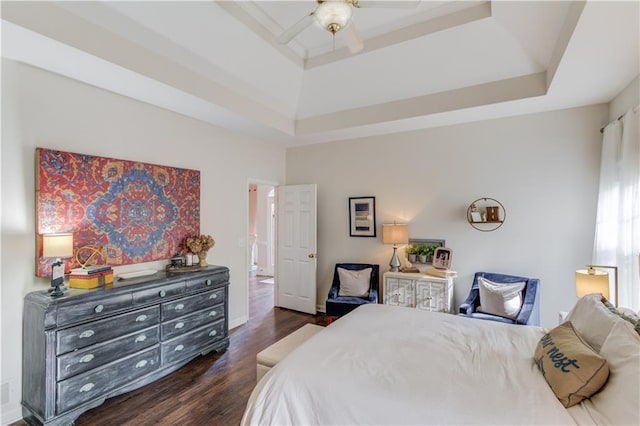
{"points": [[592, 320], [504, 300], [617, 402], [354, 283]]}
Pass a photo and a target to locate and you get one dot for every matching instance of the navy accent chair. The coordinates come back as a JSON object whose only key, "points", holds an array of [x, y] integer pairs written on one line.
{"points": [[337, 306], [530, 312]]}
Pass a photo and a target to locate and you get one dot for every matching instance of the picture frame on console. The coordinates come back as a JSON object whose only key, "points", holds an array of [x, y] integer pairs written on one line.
{"points": [[362, 217], [442, 258]]}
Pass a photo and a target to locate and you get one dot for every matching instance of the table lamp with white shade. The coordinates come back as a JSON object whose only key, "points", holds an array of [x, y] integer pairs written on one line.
{"points": [[396, 234], [57, 246], [592, 280]]}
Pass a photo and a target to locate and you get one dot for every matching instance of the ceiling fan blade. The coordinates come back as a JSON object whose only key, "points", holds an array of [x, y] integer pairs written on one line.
{"points": [[352, 39], [401, 4], [296, 29]]}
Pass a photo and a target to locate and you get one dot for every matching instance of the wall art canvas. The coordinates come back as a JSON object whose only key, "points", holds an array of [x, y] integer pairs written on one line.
{"points": [[135, 212]]}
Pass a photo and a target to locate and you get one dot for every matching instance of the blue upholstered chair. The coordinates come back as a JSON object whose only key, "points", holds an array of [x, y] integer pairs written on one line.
{"points": [[337, 306], [530, 311]]}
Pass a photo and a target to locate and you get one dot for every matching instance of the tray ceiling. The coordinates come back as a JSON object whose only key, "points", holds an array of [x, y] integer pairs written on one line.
{"points": [[424, 63]]}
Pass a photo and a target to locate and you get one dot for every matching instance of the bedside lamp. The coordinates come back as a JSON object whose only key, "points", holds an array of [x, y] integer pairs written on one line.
{"points": [[57, 246], [592, 280], [395, 234]]}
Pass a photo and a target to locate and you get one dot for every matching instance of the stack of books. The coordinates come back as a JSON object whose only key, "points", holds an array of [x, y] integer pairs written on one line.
{"points": [[442, 273], [90, 276]]}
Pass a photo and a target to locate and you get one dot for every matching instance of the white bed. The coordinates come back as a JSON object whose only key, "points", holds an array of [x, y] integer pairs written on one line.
{"points": [[387, 365]]}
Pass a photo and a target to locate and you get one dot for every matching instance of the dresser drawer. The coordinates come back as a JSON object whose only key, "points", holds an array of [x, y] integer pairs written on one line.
{"points": [[84, 387], [178, 308], [193, 342], [207, 281], [158, 293], [102, 330], [190, 322], [82, 311], [77, 362]]}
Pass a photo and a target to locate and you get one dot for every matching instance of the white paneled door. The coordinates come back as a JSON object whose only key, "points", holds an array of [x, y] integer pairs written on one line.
{"points": [[296, 265]]}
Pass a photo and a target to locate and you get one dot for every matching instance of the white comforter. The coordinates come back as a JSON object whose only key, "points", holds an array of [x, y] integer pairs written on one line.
{"points": [[391, 365]]}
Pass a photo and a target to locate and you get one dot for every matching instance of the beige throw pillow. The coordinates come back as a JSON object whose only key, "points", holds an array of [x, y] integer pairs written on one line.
{"points": [[504, 300], [573, 370], [354, 283]]}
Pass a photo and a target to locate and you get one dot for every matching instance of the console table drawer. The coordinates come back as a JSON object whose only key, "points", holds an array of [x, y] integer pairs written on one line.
{"points": [[185, 345], [77, 362], [189, 322], [158, 293], [190, 304], [76, 390], [99, 331], [74, 312]]}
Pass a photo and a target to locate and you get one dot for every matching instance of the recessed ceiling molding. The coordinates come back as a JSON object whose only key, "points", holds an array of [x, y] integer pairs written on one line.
{"points": [[421, 29], [254, 19], [68, 29], [483, 94], [569, 26], [41, 52]]}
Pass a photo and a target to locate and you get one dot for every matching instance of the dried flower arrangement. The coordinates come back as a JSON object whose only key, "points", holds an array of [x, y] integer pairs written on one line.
{"points": [[200, 245]]}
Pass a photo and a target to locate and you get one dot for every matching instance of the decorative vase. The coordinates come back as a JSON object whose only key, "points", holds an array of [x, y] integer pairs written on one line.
{"points": [[202, 256]]}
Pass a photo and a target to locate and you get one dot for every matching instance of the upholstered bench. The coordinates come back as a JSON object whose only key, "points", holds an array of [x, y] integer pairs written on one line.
{"points": [[269, 357]]}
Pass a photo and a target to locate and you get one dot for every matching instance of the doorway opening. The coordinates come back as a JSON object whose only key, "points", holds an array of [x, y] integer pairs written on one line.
{"points": [[261, 248]]}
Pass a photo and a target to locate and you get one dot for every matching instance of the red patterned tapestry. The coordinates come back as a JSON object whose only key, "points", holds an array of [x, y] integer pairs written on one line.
{"points": [[137, 212]]}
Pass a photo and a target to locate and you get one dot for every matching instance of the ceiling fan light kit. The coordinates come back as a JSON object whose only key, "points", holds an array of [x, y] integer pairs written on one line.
{"points": [[333, 15]]}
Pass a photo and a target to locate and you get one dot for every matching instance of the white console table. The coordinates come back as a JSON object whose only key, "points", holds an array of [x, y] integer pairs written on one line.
{"points": [[418, 291]]}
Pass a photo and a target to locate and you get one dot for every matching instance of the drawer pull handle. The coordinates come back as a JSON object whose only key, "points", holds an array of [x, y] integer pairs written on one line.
{"points": [[141, 318], [87, 387], [213, 296], [213, 313], [141, 364], [86, 358], [212, 333], [86, 334], [179, 307], [141, 338], [98, 309], [178, 348], [179, 325], [208, 282], [163, 293]]}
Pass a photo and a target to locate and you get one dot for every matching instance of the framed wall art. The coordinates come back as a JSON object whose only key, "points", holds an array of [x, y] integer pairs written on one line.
{"points": [[133, 212], [362, 216]]}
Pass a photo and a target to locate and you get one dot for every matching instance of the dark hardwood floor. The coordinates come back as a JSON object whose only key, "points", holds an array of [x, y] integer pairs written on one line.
{"points": [[212, 389]]}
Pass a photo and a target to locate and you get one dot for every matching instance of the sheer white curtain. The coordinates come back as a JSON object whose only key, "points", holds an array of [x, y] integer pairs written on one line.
{"points": [[617, 237]]}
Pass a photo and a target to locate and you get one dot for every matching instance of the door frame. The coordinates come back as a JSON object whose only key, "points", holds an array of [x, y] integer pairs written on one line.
{"points": [[275, 184]]}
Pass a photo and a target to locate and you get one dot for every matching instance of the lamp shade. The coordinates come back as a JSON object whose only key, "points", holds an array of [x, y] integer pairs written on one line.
{"points": [[333, 12], [57, 245], [592, 281], [395, 233]]}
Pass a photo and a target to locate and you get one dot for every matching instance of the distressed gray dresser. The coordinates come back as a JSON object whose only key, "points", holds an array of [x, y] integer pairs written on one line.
{"points": [[89, 345]]}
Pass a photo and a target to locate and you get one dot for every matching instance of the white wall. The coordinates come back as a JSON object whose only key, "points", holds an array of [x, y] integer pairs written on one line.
{"points": [[41, 109], [543, 168]]}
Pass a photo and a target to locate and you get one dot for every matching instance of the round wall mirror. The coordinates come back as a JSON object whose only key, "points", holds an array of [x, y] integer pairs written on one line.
{"points": [[486, 214]]}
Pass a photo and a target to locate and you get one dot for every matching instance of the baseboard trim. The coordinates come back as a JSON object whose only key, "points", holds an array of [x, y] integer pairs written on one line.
{"points": [[238, 322]]}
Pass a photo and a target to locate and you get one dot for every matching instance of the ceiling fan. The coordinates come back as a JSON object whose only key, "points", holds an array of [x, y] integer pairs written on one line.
{"points": [[335, 15]]}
